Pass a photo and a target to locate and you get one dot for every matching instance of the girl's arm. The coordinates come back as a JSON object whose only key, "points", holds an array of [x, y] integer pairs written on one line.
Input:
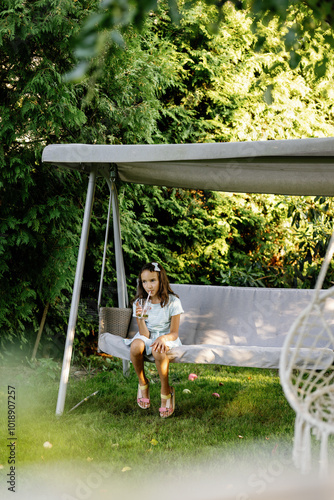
{"points": [[174, 328], [143, 330], [160, 343]]}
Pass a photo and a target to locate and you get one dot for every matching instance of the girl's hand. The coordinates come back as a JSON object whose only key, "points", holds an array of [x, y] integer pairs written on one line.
{"points": [[139, 310], [159, 345]]}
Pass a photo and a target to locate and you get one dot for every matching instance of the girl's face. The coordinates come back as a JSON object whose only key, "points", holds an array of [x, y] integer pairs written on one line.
{"points": [[150, 281]]}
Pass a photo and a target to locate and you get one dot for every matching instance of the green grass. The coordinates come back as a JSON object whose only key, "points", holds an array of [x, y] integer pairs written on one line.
{"points": [[110, 427]]}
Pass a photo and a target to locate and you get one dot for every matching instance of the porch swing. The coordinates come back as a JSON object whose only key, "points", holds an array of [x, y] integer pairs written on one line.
{"points": [[221, 325]]}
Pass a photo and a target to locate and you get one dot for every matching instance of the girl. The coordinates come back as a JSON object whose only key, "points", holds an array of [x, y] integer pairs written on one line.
{"points": [[157, 334]]}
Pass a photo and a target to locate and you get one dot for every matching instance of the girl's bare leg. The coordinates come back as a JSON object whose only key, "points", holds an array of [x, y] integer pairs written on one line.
{"points": [[137, 357], [162, 364]]}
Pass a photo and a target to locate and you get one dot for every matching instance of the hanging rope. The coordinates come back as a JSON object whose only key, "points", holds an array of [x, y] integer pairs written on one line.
{"points": [[106, 238]]}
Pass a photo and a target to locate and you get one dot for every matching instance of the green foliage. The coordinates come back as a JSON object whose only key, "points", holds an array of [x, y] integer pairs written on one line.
{"points": [[106, 25], [170, 83], [45, 368], [220, 238], [40, 213], [114, 16], [180, 228], [230, 91], [279, 242], [311, 228]]}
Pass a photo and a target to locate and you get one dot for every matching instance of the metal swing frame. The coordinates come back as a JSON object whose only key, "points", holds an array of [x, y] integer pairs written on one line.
{"points": [[291, 167], [123, 300]]}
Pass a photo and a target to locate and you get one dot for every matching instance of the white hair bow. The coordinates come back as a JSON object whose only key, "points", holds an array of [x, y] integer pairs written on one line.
{"points": [[156, 266]]}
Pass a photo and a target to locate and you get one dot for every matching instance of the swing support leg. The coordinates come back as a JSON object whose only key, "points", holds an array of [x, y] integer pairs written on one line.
{"points": [[76, 294]]}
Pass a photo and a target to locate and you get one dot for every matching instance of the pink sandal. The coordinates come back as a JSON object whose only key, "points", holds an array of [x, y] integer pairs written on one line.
{"points": [[169, 408], [140, 399]]}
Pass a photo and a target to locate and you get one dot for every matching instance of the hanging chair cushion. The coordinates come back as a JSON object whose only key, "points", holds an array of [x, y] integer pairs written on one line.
{"points": [[231, 326], [246, 356]]}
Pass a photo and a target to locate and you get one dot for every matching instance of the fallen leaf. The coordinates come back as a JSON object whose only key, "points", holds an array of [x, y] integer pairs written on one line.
{"points": [[126, 469]]}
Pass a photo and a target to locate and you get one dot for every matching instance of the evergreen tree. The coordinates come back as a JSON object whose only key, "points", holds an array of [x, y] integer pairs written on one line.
{"points": [[40, 207], [230, 91], [170, 83], [115, 15]]}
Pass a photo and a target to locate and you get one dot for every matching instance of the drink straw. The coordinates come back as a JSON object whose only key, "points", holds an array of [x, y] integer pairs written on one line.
{"points": [[148, 296]]}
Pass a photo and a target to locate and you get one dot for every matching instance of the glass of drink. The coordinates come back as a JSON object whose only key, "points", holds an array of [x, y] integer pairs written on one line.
{"points": [[143, 307]]}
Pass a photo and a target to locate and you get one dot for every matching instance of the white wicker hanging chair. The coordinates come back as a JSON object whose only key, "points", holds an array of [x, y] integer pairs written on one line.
{"points": [[309, 387]]}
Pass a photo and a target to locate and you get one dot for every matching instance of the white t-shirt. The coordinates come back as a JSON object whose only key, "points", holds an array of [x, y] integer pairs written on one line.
{"points": [[158, 323]]}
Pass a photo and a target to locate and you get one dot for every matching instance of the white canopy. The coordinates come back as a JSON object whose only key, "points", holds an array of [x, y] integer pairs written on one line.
{"points": [[292, 167]]}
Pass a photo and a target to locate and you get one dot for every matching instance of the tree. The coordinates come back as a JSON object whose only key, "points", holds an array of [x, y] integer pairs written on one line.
{"points": [[229, 91], [170, 83], [113, 16], [39, 207]]}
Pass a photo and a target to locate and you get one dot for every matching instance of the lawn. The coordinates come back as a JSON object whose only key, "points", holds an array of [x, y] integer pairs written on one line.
{"points": [[111, 427], [250, 422]]}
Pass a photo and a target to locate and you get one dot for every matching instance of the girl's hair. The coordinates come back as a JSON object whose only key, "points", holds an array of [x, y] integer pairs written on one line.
{"points": [[164, 286]]}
